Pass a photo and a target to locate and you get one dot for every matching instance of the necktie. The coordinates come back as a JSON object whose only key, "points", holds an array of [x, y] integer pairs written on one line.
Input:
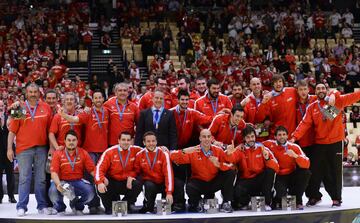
{"points": [[156, 114]]}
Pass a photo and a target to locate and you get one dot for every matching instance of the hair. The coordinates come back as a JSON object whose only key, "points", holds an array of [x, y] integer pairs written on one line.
{"points": [[98, 91], [249, 128], [148, 133], [31, 84], [237, 84], [122, 84], [236, 108], [71, 132], [200, 78], [124, 133], [212, 82], [187, 80], [157, 79], [183, 92], [277, 77], [301, 83], [280, 128], [50, 91], [71, 93]]}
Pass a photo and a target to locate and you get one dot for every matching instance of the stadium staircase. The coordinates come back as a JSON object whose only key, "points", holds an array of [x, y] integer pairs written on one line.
{"points": [[356, 32]]}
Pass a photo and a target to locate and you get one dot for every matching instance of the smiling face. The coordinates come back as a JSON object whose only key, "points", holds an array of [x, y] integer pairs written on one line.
{"points": [[158, 99], [150, 142], [281, 137], [321, 91]]}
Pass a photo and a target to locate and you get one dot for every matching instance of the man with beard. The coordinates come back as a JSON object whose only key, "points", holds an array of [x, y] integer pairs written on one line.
{"points": [[60, 126], [96, 125], [31, 148], [115, 174], [213, 101], [187, 120], [226, 128], [237, 94], [326, 158], [183, 84], [209, 172], [294, 174], [68, 165], [123, 113], [257, 167]]}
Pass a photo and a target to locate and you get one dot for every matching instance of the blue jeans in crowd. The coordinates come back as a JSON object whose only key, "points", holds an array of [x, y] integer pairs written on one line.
{"points": [[32, 157], [83, 189]]}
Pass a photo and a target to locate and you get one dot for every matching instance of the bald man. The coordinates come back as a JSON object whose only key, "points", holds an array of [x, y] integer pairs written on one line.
{"points": [[209, 172]]}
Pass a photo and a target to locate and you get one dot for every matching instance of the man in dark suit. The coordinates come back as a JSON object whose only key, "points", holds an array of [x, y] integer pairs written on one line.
{"points": [[5, 164], [159, 120]]}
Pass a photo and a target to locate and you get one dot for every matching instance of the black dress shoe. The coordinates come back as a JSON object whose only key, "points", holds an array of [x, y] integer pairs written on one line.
{"points": [[12, 200]]}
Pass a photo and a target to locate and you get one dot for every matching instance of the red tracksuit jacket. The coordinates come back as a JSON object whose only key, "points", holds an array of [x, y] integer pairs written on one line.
{"points": [[220, 129], [251, 162], [326, 131], [201, 167], [110, 165], [211, 108], [288, 164], [186, 123], [159, 172], [280, 109]]}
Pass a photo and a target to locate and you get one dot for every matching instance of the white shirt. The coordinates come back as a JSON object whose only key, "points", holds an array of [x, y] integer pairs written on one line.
{"points": [[346, 32], [335, 19], [349, 17]]}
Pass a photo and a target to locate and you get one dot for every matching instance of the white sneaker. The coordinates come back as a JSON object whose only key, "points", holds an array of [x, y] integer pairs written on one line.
{"points": [[51, 211], [21, 212], [45, 211], [61, 213], [77, 212], [268, 208]]}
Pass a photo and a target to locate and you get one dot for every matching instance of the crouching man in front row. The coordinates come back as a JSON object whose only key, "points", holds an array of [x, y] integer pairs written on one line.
{"points": [[68, 166], [294, 173], [256, 170], [209, 172]]}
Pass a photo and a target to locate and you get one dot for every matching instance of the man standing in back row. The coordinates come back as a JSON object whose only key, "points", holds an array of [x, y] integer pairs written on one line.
{"points": [[326, 159]]}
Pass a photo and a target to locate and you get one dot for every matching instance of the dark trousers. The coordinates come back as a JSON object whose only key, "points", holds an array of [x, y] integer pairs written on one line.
{"points": [[151, 190], [10, 179], [181, 173], [48, 184], [262, 184], [223, 181], [294, 184], [117, 188], [326, 166]]}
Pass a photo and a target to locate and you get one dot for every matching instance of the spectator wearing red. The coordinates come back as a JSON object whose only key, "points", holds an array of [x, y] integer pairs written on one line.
{"points": [[293, 175], [154, 165], [59, 126], [213, 101], [87, 35], [115, 173], [329, 136], [123, 113]]}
